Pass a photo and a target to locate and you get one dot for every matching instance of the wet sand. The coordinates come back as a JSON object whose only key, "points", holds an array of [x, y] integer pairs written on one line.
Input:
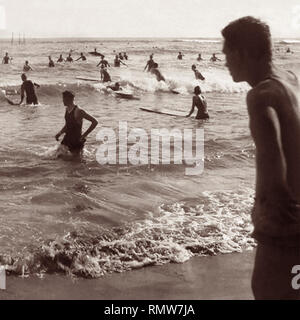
{"points": [[224, 277]]}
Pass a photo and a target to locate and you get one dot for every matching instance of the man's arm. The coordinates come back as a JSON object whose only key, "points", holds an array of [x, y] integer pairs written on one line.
{"points": [[192, 110], [37, 85], [62, 131], [265, 130], [94, 124], [22, 94]]}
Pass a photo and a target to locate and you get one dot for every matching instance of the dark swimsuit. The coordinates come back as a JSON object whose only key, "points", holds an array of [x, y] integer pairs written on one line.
{"points": [[31, 97], [202, 110], [73, 133], [6, 60], [106, 76]]}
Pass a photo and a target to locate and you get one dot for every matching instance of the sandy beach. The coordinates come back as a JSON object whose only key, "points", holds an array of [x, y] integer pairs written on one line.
{"points": [[225, 277]]}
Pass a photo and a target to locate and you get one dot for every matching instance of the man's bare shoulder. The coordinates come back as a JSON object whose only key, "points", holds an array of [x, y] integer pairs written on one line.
{"points": [[265, 94]]}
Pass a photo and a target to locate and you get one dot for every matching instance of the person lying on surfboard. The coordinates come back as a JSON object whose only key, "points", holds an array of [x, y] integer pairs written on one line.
{"points": [[198, 74], [157, 73], [116, 87], [28, 88], [82, 57], [74, 140], [199, 102]]}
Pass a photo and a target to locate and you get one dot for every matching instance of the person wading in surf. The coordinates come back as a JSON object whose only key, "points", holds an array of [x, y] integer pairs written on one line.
{"points": [[199, 102], [28, 88], [273, 107], [74, 140]]}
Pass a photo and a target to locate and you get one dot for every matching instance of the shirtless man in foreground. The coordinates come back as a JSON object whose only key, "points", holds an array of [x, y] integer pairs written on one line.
{"points": [[273, 106]]}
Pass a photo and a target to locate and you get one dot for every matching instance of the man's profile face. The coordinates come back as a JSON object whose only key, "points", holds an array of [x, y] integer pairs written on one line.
{"points": [[67, 101], [233, 63]]}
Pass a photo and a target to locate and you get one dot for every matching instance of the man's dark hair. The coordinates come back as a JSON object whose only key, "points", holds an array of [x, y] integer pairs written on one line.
{"points": [[251, 35], [68, 94]]}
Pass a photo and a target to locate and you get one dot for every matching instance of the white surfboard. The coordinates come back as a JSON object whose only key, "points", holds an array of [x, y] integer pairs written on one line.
{"points": [[167, 112], [88, 79]]}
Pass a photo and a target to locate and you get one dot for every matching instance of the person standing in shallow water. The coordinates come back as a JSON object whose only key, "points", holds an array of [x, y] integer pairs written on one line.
{"points": [[74, 140], [51, 63], [28, 88], [199, 102], [6, 59], [273, 107]]}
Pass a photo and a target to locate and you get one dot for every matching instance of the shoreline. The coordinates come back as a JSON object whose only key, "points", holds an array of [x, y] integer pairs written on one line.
{"points": [[223, 277]]}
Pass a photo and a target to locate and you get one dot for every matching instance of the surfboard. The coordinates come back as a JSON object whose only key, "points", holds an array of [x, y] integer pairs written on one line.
{"points": [[7, 99], [167, 112], [88, 79], [11, 102], [96, 54], [125, 95]]}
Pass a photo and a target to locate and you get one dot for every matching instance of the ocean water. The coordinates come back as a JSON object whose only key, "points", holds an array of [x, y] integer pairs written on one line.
{"points": [[87, 219]]}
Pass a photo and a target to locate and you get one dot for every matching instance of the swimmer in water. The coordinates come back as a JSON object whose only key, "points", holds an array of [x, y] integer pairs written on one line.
{"points": [[199, 102], [180, 56], [200, 57], [214, 58], [60, 59], [27, 67], [74, 140], [28, 88], [69, 58], [51, 62]]}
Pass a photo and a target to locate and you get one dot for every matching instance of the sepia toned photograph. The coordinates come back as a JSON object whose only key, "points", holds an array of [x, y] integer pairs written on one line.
{"points": [[149, 151]]}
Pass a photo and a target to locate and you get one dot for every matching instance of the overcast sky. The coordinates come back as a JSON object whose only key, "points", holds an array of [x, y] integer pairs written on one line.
{"points": [[142, 18]]}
